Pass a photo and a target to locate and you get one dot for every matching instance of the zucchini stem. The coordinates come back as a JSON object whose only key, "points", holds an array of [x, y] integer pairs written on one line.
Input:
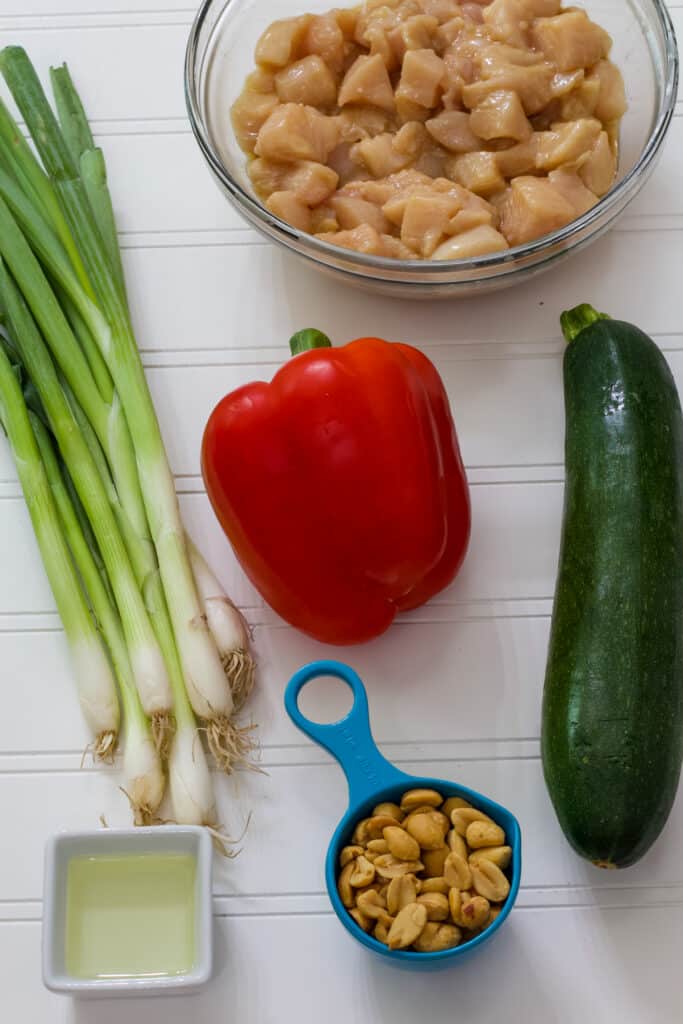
{"points": [[575, 320]]}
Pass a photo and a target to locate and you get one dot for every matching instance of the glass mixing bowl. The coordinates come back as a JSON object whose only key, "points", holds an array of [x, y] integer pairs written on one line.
{"points": [[220, 54]]}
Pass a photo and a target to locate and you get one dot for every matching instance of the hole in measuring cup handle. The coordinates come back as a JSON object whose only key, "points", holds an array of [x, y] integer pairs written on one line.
{"points": [[325, 700]]}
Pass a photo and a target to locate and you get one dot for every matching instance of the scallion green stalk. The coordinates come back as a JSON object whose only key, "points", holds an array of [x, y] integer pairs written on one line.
{"points": [[94, 679], [208, 690], [143, 775], [148, 665]]}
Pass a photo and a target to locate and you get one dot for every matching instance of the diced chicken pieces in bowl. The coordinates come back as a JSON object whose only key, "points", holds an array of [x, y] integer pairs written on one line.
{"points": [[367, 81], [501, 116], [533, 207], [296, 132], [307, 81], [432, 129]]}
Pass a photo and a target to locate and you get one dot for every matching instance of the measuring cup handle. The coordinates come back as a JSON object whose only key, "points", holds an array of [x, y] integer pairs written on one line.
{"points": [[350, 739]]}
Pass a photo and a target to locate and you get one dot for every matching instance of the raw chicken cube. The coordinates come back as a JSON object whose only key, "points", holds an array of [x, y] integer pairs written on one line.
{"points": [[346, 18], [281, 43], [351, 211], [465, 220], [341, 161], [307, 81], [417, 33], [367, 81], [500, 116], [506, 21], [532, 207], [386, 154], [323, 219], [519, 159], [260, 80], [425, 220], [288, 207], [497, 57], [295, 132], [311, 182], [249, 113], [402, 183], [324, 38], [365, 239], [477, 241], [358, 122], [600, 166], [478, 172], [407, 110], [421, 77], [570, 185], [532, 85], [582, 101], [453, 130], [447, 33], [566, 143], [611, 102], [565, 82], [571, 40], [442, 10]]}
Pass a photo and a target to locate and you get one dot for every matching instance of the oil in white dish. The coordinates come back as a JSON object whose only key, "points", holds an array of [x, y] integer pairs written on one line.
{"points": [[130, 916]]}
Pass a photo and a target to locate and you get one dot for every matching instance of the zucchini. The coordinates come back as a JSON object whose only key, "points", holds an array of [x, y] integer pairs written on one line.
{"points": [[612, 719]]}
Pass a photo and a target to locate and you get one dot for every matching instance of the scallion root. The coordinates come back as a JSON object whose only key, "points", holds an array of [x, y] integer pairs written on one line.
{"points": [[231, 745], [104, 746], [240, 671], [163, 730]]}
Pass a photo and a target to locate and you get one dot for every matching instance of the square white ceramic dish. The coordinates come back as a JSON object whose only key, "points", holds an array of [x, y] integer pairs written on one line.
{"points": [[107, 842]]}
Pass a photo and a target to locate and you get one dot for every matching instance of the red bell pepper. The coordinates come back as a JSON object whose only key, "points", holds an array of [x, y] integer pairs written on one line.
{"points": [[340, 485]]}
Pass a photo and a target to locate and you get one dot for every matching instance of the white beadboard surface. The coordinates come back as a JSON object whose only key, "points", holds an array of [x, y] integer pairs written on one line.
{"points": [[454, 688]]}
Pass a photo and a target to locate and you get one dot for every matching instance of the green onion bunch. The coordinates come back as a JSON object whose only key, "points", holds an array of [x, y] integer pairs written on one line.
{"points": [[149, 628]]}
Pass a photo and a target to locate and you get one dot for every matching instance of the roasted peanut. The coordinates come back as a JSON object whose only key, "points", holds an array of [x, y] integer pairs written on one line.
{"points": [[414, 797], [500, 855], [436, 904], [360, 918], [376, 825], [484, 833], [456, 844], [475, 912], [433, 861], [435, 885], [489, 881], [407, 926], [363, 873], [412, 869], [392, 810], [436, 937], [425, 830], [372, 905], [401, 892], [388, 867], [360, 833], [344, 889], [464, 816], [401, 844], [348, 853], [450, 805], [455, 906], [456, 871]]}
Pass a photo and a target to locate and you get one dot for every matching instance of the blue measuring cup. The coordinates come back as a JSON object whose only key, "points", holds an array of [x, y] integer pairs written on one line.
{"points": [[373, 780]]}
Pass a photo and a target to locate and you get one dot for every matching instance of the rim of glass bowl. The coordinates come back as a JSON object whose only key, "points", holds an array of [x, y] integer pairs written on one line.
{"points": [[598, 217]]}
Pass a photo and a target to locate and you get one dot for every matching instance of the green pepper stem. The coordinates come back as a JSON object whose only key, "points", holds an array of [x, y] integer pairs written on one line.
{"points": [[307, 339], [575, 320]]}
